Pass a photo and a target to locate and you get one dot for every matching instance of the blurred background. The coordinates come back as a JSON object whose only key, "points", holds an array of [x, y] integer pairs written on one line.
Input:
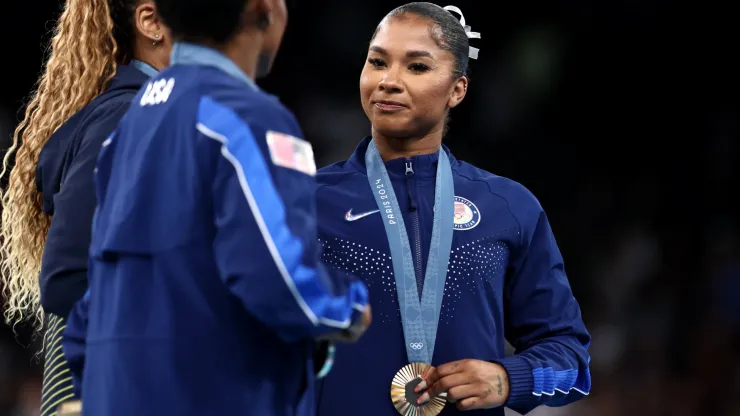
{"points": [[621, 116]]}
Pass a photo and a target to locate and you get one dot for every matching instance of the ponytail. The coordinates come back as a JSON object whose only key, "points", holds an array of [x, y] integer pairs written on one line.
{"points": [[81, 62]]}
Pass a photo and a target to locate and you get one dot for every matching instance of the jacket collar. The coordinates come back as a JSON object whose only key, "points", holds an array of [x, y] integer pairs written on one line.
{"points": [[425, 166]]}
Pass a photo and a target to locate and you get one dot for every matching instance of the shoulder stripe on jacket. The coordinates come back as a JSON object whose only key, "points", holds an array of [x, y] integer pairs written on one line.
{"points": [[241, 149]]}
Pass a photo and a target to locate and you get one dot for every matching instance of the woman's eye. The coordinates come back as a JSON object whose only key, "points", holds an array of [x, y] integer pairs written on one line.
{"points": [[375, 62], [418, 67]]}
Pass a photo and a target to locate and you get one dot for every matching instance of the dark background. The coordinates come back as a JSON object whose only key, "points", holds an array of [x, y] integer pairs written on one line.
{"points": [[620, 115]]}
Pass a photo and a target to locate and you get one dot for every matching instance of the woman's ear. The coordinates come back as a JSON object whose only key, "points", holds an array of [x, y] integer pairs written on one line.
{"points": [[459, 89], [148, 23]]}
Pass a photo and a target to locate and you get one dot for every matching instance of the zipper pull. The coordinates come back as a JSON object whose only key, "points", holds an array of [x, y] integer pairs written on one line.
{"points": [[410, 185], [409, 167]]}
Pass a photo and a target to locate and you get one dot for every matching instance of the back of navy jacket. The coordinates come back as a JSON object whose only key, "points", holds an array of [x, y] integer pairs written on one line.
{"points": [[64, 176], [206, 289]]}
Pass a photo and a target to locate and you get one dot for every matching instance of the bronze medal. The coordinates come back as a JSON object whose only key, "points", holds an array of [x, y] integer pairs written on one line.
{"points": [[403, 395]]}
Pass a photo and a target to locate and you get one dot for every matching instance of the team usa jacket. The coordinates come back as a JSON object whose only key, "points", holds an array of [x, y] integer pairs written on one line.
{"points": [[505, 281], [206, 291]]}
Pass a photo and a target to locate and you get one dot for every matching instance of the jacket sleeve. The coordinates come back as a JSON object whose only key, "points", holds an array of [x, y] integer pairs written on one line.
{"points": [[264, 209], [73, 342], [543, 323], [63, 277]]}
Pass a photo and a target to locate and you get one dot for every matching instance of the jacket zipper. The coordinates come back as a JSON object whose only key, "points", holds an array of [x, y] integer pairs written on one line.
{"points": [[411, 189]]}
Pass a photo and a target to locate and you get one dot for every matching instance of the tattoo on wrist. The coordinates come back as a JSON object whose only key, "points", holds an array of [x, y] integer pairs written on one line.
{"points": [[500, 386]]}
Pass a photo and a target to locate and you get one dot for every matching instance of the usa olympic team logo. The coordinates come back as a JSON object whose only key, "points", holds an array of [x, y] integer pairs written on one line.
{"points": [[467, 215]]}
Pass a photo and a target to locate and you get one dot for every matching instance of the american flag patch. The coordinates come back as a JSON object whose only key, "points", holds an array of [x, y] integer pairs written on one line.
{"points": [[291, 152]]}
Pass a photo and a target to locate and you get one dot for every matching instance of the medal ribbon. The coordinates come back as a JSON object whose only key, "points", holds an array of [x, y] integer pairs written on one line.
{"points": [[420, 318]]}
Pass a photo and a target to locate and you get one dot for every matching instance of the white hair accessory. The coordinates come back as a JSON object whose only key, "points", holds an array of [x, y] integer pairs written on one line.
{"points": [[473, 53]]}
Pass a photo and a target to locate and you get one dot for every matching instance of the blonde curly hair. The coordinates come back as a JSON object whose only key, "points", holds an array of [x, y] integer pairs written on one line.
{"points": [[82, 60]]}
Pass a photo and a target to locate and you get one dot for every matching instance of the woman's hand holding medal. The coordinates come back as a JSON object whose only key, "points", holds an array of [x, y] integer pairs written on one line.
{"points": [[472, 384]]}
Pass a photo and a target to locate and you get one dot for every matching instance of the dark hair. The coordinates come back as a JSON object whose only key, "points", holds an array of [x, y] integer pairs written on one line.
{"points": [[202, 20], [446, 31], [122, 15]]}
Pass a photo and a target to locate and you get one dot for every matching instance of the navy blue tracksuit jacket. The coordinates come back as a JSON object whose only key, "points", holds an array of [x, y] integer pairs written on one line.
{"points": [[505, 281], [64, 176], [206, 291]]}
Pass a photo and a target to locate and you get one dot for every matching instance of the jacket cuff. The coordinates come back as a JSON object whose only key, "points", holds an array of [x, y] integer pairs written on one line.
{"points": [[521, 382]]}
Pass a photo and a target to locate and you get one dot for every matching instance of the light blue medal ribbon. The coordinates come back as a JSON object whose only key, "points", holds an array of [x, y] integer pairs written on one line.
{"points": [[419, 318]]}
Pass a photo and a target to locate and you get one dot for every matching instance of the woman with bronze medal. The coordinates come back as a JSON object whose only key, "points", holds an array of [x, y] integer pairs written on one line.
{"points": [[456, 259]]}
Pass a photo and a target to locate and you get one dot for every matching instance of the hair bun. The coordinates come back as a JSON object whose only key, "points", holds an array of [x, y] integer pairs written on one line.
{"points": [[473, 53]]}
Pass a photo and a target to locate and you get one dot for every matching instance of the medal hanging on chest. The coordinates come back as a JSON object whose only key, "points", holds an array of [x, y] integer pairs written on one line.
{"points": [[419, 317]]}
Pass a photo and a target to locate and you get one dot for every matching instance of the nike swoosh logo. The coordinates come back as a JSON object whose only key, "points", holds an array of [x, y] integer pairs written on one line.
{"points": [[354, 217]]}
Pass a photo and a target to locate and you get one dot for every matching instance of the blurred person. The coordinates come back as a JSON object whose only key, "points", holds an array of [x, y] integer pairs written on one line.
{"points": [[102, 52], [456, 259], [206, 290]]}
